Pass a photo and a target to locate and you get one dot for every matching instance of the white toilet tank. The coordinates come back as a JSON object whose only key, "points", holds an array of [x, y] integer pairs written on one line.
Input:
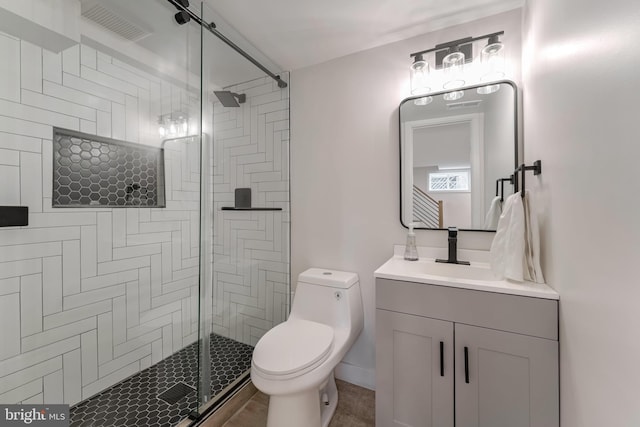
{"points": [[330, 297]]}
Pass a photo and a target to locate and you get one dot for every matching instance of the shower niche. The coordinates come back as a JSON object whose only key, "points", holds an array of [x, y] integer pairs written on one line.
{"points": [[93, 171]]}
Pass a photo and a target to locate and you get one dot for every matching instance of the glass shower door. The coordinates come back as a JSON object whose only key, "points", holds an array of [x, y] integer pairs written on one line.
{"points": [[100, 140], [248, 152], [160, 310], [132, 296]]}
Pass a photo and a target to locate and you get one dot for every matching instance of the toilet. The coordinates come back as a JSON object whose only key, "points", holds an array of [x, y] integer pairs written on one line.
{"points": [[293, 363]]}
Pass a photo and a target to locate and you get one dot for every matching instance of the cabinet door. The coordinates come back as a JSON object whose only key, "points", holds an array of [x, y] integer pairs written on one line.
{"points": [[411, 389], [511, 380]]}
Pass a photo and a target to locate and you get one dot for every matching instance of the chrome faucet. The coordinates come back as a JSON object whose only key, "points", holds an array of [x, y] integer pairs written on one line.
{"points": [[453, 248]]}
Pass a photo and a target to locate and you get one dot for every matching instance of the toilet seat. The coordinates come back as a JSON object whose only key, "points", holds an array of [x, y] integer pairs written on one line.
{"points": [[293, 347]]}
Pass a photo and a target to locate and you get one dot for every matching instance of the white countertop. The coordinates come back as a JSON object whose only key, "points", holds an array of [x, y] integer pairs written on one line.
{"points": [[397, 268]]}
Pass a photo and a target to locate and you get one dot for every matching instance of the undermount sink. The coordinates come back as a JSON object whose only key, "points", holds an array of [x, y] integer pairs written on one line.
{"points": [[428, 266], [476, 276]]}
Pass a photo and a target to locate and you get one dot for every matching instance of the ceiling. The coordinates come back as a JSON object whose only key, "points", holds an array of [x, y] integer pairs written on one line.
{"points": [[181, 44], [299, 33], [288, 34]]}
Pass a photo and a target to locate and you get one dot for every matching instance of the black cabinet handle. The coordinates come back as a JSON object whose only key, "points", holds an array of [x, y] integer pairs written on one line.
{"points": [[442, 358], [466, 365]]}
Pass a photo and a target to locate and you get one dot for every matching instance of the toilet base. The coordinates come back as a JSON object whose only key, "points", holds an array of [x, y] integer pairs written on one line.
{"points": [[304, 408], [327, 410]]}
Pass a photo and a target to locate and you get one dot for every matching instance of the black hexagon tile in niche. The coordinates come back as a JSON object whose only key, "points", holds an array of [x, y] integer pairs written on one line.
{"points": [[135, 401], [94, 171]]}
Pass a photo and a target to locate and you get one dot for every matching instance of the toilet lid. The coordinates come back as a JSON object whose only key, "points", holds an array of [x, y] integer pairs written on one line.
{"points": [[293, 346]]}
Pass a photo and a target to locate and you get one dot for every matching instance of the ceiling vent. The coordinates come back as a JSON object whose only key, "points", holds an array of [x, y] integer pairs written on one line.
{"points": [[112, 22], [465, 104]]}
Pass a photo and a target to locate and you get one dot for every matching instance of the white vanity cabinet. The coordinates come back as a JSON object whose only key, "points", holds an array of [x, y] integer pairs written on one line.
{"points": [[414, 370], [447, 356]]}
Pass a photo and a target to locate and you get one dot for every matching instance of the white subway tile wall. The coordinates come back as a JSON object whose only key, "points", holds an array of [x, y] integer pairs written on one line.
{"points": [[76, 312], [90, 296]]}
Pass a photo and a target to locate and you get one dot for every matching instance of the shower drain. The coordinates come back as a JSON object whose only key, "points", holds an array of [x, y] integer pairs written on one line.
{"points": [[176, 393]]}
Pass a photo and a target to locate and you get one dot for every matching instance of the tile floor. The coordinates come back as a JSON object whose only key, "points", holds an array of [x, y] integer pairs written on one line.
{"points": [[356, 408], [135, 402]]}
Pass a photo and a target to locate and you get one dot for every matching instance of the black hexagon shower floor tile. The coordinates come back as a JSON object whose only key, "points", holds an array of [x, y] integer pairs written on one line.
{"points": [[136, 401]]}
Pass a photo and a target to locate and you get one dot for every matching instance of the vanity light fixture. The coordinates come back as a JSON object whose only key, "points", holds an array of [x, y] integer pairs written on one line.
{"points": [[453, 96], [485, 90], [173, 125], [492, 59], [420, 80], [491, 64], [425, 100], [453, 66]]}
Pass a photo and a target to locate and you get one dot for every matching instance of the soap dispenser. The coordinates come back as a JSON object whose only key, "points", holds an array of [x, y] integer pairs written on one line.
{"points": [[410, 250]]}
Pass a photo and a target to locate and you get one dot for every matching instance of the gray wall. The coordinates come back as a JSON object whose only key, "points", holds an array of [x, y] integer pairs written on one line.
{"points": [[581, 112], [345, 168]]}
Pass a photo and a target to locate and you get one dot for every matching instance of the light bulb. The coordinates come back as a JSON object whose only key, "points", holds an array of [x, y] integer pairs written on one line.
{"points": [[492, 60], [453, 68], [185, 127], [452, 96], [419, 76], [162, 131], [425, 100], [486, 90], [172, 129], [492, 48], [419, 63]]}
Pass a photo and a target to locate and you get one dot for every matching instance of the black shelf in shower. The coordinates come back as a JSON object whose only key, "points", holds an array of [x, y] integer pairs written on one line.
{"points": [[232, 208]]}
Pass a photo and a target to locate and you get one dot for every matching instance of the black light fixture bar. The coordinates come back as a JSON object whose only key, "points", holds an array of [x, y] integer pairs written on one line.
{"points": [[454, 43], [212, 29]]}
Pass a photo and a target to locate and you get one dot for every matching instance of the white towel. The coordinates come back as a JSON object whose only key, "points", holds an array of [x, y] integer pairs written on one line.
{"points": [[493, 216], [515, 251], [507, 249], [532, 271]]}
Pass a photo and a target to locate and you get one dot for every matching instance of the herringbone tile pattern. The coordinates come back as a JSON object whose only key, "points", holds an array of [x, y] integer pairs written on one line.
{"points": [[95, 295], [251, 249], [90, 296]]}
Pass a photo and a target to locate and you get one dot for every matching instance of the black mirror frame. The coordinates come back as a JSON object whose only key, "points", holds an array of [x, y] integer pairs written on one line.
{"points": [[515, 139]]}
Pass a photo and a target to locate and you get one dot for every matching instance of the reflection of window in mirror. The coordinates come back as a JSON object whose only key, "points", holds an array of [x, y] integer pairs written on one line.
{"points": [[449, 181]]}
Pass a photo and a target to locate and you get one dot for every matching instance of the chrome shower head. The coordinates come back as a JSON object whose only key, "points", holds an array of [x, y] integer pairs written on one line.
{"points": [[230, 99]]}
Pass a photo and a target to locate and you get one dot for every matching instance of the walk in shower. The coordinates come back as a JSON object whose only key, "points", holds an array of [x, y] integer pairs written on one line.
{"points": [[156, 252]]}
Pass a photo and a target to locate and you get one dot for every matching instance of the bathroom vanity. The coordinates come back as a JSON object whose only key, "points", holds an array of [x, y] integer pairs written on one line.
{"points": [[457, 347]]}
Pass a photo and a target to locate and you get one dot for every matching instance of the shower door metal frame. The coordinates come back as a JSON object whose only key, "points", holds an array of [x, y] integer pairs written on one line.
{"points": [[212, 29], [205, 278]]}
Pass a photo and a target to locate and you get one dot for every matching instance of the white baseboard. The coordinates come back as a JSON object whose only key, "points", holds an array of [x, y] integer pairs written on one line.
{"points": [[356, 375]]}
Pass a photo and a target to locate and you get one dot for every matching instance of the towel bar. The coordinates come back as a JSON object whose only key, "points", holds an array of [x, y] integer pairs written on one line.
{"points": [[536, 168]]}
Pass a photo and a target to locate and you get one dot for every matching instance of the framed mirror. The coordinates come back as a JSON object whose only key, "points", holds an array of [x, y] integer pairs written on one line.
{"points": [[455, 148]]}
